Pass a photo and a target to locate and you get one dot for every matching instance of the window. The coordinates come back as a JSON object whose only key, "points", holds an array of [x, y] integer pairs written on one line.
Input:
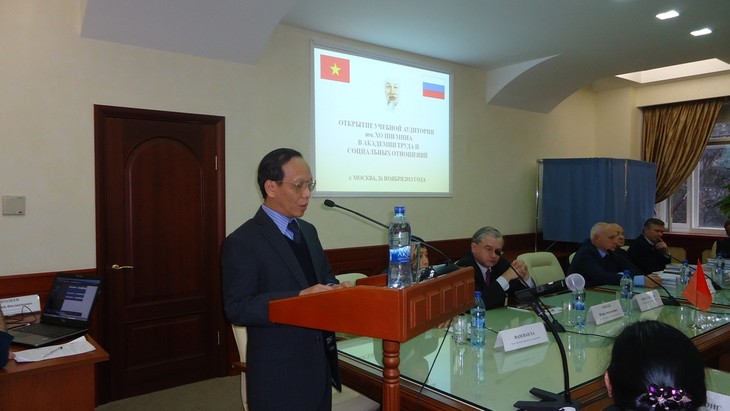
{"points": [[692, 208]]}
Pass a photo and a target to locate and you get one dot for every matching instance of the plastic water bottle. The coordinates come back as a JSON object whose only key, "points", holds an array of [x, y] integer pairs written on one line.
{"points": [[626, 292], [399, 241], [579, 305], [478, 324], [684, 275], [719, 269]]}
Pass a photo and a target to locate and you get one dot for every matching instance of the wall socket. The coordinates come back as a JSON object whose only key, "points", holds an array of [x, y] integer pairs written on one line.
{"points": [[25, 304]]}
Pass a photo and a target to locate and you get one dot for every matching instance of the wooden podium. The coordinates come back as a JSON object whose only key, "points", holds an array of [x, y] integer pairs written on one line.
{"points": [[371, 309]]}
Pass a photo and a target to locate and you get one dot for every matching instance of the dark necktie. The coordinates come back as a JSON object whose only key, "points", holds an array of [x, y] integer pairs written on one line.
{"points": [[294, 228], [486, 275]]}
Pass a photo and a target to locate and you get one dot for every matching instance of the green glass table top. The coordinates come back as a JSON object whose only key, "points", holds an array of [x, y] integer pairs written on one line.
{"points": [[494, 379]]}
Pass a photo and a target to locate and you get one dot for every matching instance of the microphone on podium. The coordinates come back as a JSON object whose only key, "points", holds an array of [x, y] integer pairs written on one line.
{"points": [[427, 272]]}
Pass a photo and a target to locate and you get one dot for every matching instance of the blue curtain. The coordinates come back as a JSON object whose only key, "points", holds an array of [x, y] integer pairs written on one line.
{"points": [[579, 192]]}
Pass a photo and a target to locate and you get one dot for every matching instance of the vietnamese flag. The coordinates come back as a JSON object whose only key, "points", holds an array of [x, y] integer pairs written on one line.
{"points": [[697, 291], [334, 68]]}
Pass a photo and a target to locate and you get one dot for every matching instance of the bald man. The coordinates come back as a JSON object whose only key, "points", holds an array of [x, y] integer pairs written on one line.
{"points": [[598, 263]]}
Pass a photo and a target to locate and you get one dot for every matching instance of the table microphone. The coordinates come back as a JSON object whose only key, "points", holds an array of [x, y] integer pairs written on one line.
{"points": [[428, 272], [669, 300], [554, 286], [714, 284]]}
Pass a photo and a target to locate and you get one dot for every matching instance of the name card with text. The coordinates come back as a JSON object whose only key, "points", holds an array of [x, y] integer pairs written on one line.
{"points": [[605, 312], [521, 337], [648, 300]]}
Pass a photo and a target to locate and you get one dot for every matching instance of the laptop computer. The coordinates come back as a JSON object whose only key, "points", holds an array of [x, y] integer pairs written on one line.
{"points": [[66, 314]]}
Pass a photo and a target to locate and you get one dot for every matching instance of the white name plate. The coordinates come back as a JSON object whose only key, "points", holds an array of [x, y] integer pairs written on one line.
{"points": [[605, 312], [521, 337], [716, 401], [648, 300]]}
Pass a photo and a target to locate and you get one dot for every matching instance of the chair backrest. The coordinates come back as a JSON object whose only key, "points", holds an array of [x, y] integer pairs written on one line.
{"points": [[544, 267], [678, 252], [241, 337], [350, 277]]}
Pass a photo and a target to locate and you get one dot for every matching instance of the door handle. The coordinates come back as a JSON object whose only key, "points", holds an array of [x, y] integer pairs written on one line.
{"points": [[121, 267]]}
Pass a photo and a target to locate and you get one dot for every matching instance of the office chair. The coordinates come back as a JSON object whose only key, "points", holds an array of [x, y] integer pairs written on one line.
{"points": [[543, 266]]}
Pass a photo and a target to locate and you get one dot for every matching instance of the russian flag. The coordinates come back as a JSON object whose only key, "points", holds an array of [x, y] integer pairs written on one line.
{"points": [[434, 90]]}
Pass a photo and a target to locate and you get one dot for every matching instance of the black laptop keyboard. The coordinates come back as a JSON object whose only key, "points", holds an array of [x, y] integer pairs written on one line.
{"points": [[46, 330]]}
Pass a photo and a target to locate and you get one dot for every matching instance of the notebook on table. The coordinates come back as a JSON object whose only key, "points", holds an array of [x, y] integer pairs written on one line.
{"points": [[66, 314]]}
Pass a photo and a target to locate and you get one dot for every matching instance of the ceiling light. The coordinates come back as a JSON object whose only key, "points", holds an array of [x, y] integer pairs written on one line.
{"points": [[700, 32], [696, 68], [667, 15]]}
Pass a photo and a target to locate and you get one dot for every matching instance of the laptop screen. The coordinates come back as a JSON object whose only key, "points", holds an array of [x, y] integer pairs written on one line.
{"points": [[71, 298]]}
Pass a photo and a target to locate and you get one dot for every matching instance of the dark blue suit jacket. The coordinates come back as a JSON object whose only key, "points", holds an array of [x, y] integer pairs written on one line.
{"points": [[5, 340], [287, 366], [647, 257], [493, 294], [598, 270]]}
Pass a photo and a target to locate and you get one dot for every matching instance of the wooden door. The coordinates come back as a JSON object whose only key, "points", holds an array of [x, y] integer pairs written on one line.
{"points": [[160, 223]]}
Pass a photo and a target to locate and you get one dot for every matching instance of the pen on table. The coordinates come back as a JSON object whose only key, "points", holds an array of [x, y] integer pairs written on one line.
{"points": [[52, 351]]}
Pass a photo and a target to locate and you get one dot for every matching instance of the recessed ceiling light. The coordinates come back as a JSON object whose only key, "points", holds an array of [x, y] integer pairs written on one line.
{"points": [[667, 15], [696, 68], [701, 32]]}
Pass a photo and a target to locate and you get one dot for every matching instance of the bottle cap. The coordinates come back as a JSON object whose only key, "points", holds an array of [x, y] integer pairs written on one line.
{"points": [[477, 294], [400, 210]]}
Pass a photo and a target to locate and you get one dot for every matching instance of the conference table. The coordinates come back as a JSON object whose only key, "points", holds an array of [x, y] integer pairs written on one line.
{"points": [[467, 378], [65, 383]]}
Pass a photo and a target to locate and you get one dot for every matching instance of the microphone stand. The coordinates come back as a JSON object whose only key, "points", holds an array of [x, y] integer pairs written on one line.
{"points": [[429, 272], [555, 324], [550, 401], [714, 284], [669, 300]]}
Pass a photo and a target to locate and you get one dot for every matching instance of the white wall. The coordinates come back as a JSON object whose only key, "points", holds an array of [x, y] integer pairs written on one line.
{"points": [[51, 78]]}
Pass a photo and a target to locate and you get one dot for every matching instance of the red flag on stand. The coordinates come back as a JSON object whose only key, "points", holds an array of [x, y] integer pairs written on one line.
{"points": [[697, 291]]}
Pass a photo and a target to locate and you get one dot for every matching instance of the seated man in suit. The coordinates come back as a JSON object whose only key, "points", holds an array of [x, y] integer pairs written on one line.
{"points": [[5, 340], [649, 251], [598, 263], [493, 275]]}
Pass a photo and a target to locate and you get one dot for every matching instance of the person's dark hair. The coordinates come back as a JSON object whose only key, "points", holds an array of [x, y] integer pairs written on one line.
{"points": [[727, 223], [652, 222], [650, 359], [270, 167]]}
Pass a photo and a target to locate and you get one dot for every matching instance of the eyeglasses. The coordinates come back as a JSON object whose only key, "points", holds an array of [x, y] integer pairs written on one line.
{"points": [[299, 185]]}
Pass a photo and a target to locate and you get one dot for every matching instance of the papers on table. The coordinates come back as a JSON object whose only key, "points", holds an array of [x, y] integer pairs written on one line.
{"points": [[77, 346], [669, 279]]}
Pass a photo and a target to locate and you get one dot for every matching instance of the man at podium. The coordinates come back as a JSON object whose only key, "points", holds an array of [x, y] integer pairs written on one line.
{"points": [[278, 255]]}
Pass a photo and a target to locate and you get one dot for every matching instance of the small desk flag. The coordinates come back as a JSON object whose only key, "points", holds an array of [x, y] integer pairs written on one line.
{"points": [[697, 291]]}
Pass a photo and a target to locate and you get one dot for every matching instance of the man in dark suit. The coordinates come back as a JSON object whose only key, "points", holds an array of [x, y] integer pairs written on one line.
{"points": [[5, 340], [493, 275], [648, 251], [278, 255], [598, 263]]}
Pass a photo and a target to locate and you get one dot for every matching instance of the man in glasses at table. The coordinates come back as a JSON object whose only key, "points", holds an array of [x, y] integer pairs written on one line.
{"points": [[277, 255], [493, 275]]}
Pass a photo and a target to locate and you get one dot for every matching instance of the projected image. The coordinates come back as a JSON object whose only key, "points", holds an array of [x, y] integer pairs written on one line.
{"points": [[381, 128]]}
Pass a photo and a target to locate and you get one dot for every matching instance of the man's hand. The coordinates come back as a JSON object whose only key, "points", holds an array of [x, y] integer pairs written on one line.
{"points": [[521, 269], [318, 288], [652, 284], [661, 246]]}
